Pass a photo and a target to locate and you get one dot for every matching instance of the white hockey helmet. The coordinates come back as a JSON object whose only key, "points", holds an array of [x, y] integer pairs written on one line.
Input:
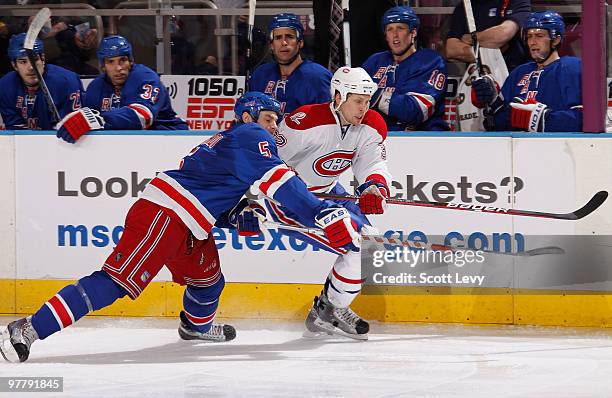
{"points": [[351, 80]]}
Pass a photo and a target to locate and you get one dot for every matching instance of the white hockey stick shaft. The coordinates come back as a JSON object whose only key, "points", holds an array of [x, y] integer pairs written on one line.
{"points": [[471, 22], [249, 51], [39, 21], [346, 32]]}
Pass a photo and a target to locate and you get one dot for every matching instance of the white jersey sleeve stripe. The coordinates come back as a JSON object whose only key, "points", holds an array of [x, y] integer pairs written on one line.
{"points": [[273, 180], [427, 103], [144, 115], [167, 192]]}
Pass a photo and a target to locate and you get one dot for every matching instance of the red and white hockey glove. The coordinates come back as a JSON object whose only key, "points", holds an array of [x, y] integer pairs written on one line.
{"points": [[77, 123], [372, 197], [484, 91], [339, 229], [528, 115], [245, 217]]}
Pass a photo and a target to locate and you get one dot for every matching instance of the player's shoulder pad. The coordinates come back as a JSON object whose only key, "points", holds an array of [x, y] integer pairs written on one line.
{"points": [[373, 119], [308, 116], [573, 63], [141, 73], [312, 68], [249, 134], [427, 55], [264, 70], [59, 74], [520, 71], [10, 81], [377, 56]]}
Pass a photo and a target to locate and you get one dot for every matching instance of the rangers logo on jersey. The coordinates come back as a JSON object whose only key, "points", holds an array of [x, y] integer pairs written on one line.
{"points": [[333, 164]]}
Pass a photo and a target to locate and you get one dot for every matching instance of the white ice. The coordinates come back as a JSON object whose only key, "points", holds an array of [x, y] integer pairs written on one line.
{"points": [[135, 357]]}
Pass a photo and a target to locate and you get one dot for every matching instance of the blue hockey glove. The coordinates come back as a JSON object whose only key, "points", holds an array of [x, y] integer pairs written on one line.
{"points": [[484, 91], [245, 217]]}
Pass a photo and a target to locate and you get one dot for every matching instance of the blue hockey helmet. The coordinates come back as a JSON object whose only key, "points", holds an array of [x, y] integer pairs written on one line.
{"points": [[549, 20], [114, 46], [400, 14], [16, 50], [286, 20], [254, 102]]}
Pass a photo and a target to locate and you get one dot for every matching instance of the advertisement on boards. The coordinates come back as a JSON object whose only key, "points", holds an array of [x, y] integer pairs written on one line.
{"points": [[72, 200]]}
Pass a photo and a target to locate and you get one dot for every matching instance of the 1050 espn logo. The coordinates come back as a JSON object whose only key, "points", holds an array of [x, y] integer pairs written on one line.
{"points": [[205, 102]]}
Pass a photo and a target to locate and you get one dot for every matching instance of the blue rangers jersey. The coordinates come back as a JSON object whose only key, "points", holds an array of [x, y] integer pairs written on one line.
{"points": [[143, 102], [557, 85], [212, 179], [22, 109], [418, 84], [308, 84]]}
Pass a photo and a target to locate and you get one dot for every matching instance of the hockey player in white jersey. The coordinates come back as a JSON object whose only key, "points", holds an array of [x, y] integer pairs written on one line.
{"points": [[320, 142]]}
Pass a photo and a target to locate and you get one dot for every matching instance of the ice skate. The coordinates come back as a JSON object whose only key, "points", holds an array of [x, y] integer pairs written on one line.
{"points": [[16, 339], [217, 333], [326, 319]]}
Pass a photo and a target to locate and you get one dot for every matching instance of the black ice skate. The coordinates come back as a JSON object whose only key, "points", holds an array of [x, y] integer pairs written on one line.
{"points": [[16, 339], [325, 318], [217, 332]]}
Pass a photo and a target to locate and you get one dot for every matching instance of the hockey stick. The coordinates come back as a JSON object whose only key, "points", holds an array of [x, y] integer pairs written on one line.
{"points": [[249, 50], [346, 32], [35, 27], [597, 200], [471, 22], [416, 244]]}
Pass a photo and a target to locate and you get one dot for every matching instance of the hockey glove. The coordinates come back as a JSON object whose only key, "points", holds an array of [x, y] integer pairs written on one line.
{"points": [[245, 217], [77, 123], [338, 227], [372, 195], [528, 115], [484, 91]]}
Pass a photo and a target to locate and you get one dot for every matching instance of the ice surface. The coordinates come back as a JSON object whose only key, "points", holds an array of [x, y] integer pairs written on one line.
{"points": [[136, 357]]}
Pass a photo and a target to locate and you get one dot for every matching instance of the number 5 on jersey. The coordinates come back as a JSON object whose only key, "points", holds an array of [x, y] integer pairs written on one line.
{"points": [[264, 150]]}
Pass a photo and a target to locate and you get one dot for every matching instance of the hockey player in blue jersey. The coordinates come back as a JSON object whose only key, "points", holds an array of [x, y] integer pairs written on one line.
{"points": [[22, 103], [170, 225], [412, 83], [127, 96], [293, 81], [542, 95]]}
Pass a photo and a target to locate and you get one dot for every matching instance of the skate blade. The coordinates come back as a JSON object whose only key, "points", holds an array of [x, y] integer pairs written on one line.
{"points": [[327, 332], [316, 335], [6, 348]]}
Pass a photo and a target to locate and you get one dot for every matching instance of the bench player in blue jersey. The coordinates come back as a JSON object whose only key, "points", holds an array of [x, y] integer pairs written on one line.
{"points": [[542, 95], [170, 225], [22, 103], [127, 96], [411, 81], [292, 80]]}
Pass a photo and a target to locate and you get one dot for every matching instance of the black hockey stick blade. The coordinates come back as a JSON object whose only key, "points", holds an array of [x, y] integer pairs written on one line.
{"points": [[597, 200]]}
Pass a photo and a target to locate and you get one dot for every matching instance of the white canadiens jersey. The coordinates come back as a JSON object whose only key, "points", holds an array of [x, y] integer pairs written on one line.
{"points": [[311, 141]]}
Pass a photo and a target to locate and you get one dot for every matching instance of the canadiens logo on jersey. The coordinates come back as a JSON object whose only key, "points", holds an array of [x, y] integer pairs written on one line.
{"points": [[296, 117], [333, 164]]}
